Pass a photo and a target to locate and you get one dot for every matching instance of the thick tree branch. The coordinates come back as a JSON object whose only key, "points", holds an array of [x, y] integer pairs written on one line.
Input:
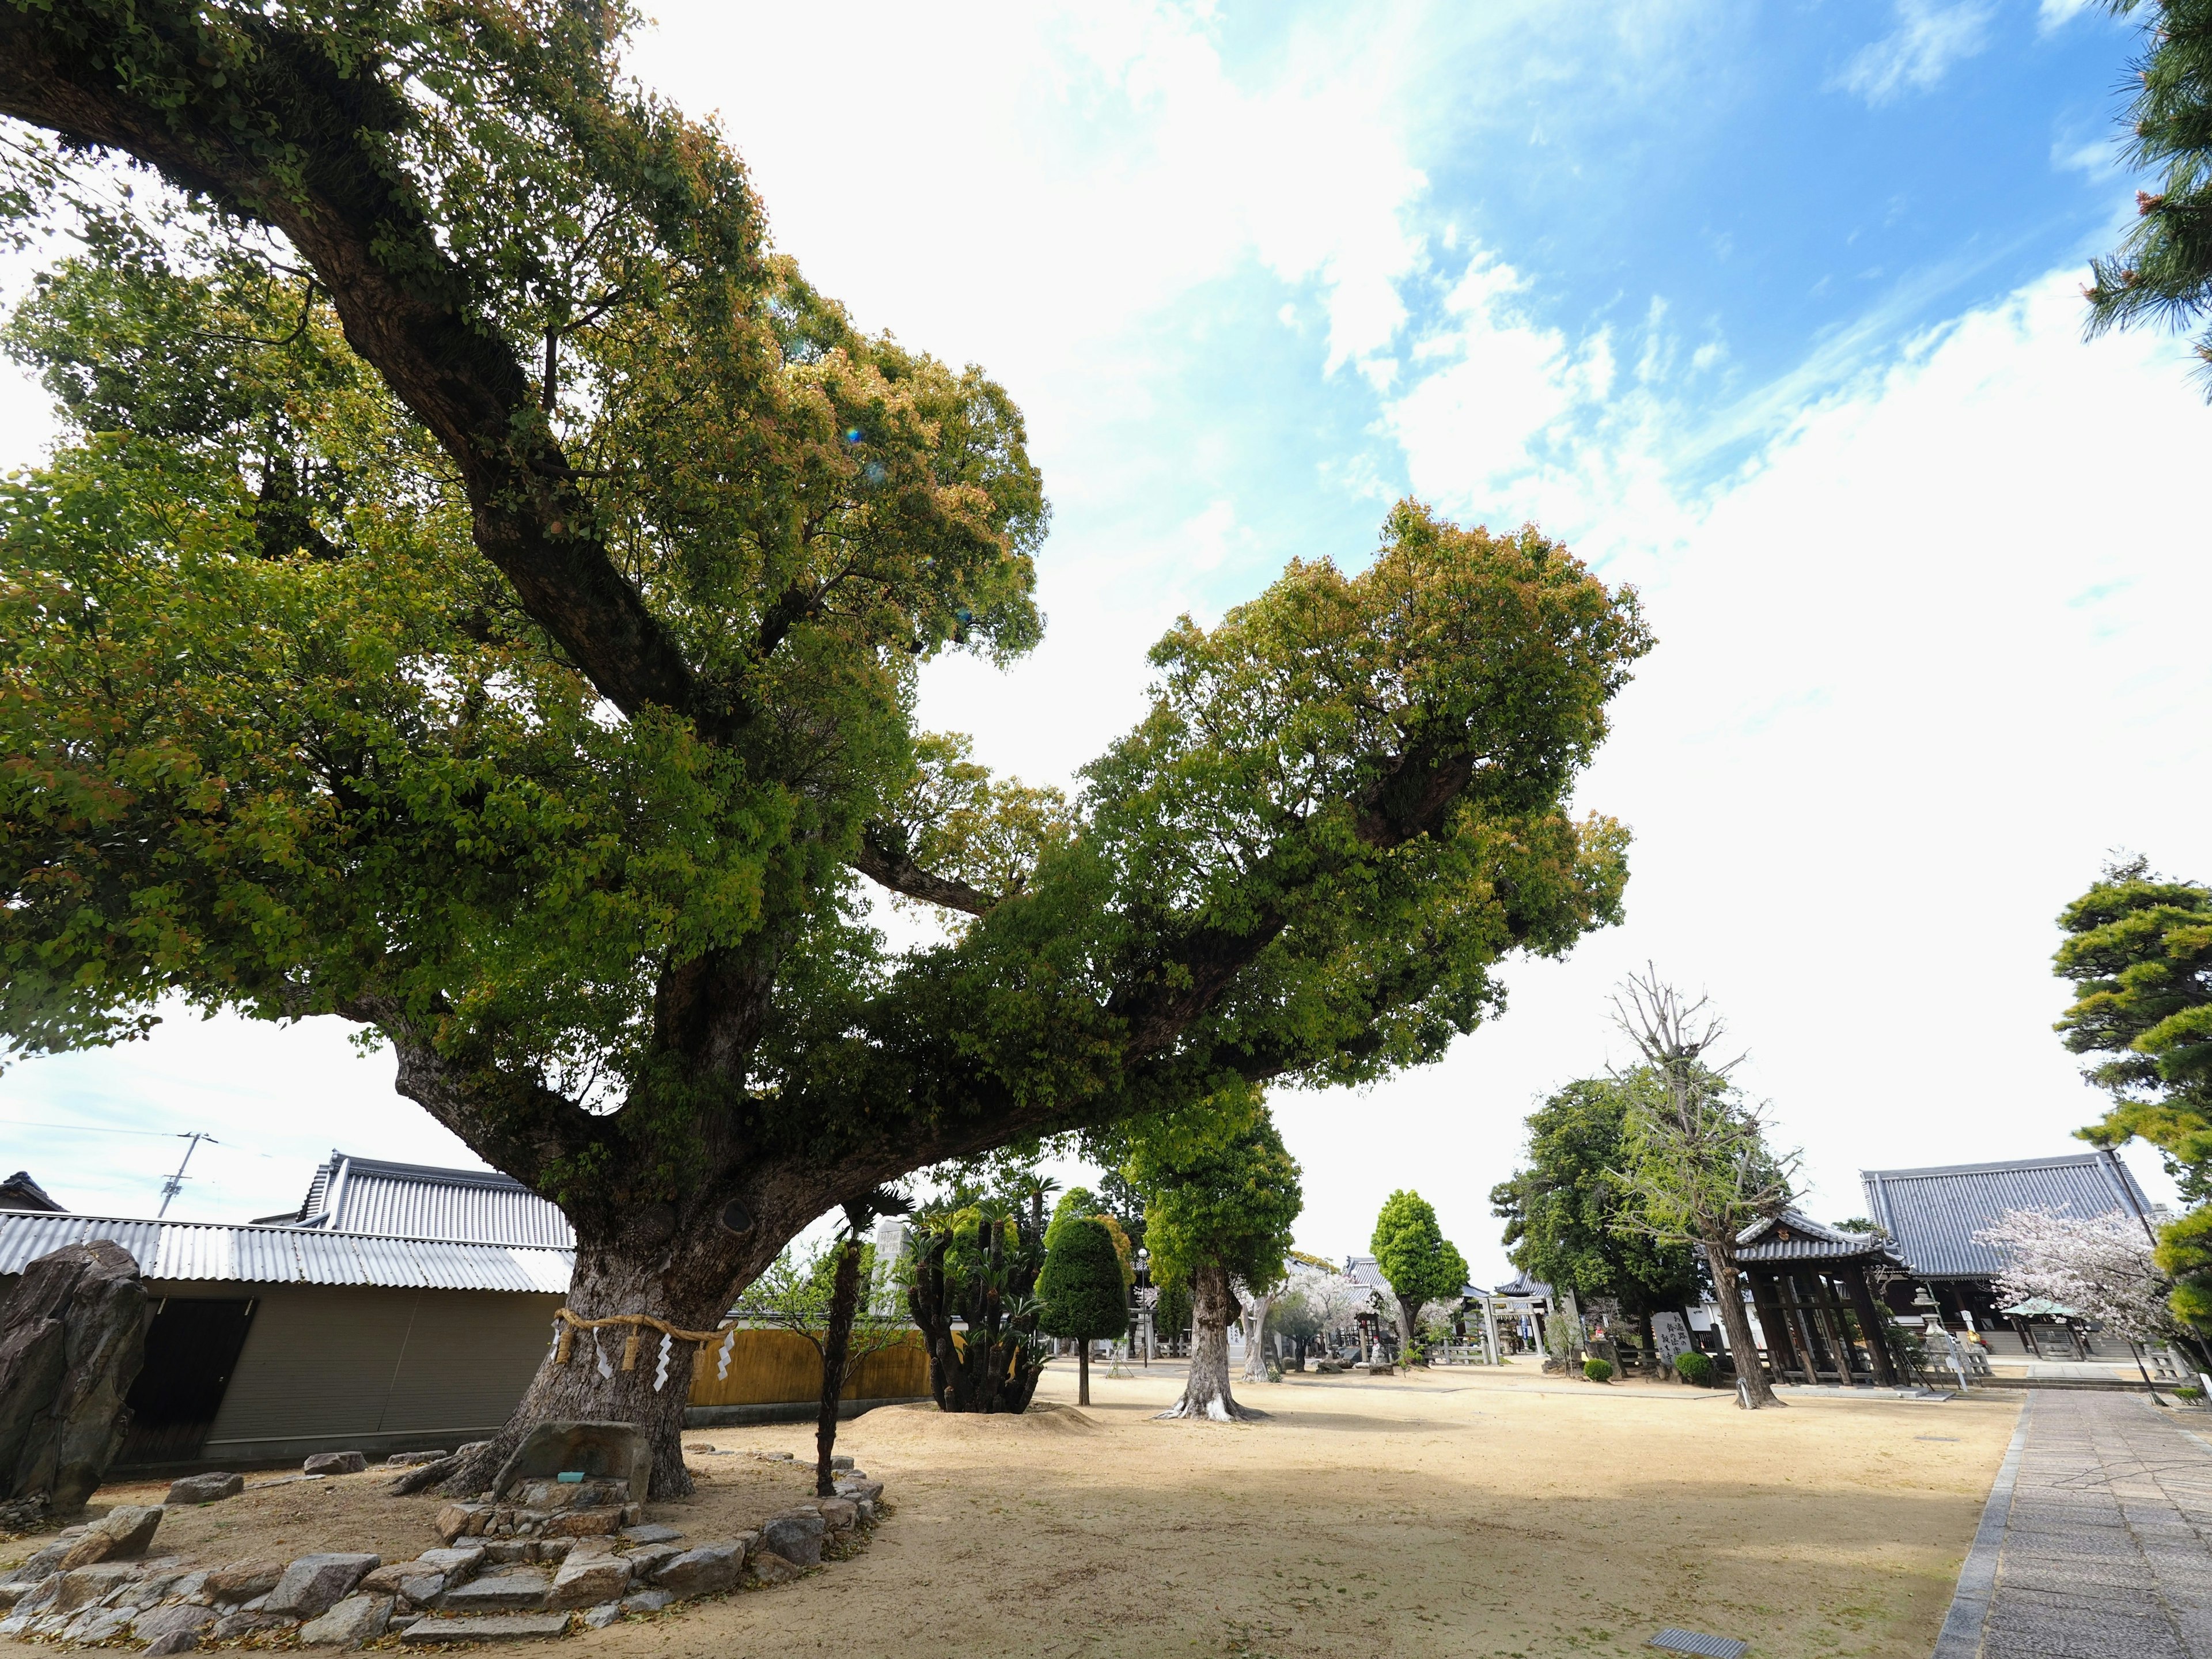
{"points": [[881, 862]]}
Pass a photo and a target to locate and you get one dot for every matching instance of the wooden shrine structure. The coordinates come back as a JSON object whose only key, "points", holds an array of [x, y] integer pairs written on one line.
{"points": [[1814, 1289]]}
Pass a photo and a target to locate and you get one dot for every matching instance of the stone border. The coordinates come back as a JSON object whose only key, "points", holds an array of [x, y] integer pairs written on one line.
{"points": [[541, 1580], [1961, 1636]]}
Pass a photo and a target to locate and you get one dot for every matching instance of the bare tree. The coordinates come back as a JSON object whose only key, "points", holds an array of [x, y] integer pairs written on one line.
{"points": [[1699, 1163]]}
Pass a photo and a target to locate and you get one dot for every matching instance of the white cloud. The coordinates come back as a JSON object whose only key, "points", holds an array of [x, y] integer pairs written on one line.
{"points": [[1920, 667], [2057, 13], [1929, 39]]}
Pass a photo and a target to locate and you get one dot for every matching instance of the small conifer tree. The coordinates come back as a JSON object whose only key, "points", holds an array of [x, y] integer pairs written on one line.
{"points": [[1080, 1290]]}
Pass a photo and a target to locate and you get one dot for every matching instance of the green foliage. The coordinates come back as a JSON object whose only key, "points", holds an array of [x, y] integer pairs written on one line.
{"points": [[1695, 1368], [2191, 1395], [1076, 1204], [1294, 1316], [1220, 1186], [975, 1267], [1081, 1291], [1598, 1371], [2139, 952], [1698, 1168], [1171, 1314], [2163, 270], [797, 1292], [1567, 1212], [1411, 1252], [2184, 1253]]}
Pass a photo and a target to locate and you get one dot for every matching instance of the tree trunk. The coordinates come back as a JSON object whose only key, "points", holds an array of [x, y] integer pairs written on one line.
{"points": [[1728, 1292], [1647, 1342], [1083, 1372], [1208, 1393], [1407, 1313], [836, 1349], [620, 1276], [1256, 1327]]}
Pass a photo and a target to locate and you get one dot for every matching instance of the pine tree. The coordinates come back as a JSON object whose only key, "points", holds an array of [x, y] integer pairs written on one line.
{"points": [[2163, 271]]}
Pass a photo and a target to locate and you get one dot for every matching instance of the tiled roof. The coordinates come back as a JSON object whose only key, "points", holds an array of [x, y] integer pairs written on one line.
{"points": [[199, 1250], [352, 1195], [1792, 1237], [20, 1192], [1522, 1284], [1933, 1213]]}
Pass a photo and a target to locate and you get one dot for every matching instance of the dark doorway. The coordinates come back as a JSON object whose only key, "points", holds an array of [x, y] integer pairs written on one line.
{"points": [[192, 1348]]}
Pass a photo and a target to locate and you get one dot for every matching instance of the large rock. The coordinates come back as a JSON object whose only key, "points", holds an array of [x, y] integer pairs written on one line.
{"points": [[336, 1463], [613, 1451], [157, 1623], [356, 1619], [708, 1569], [796, 1536], [838, 1513], [241, 1581], [123, 1531], [313, 1584], [464, 1520], [205, 1488], [547, 1496], [767, 1567], [81, 1587], [653, 1534], [584, 1523], [584, 1581], [72, 1338], [650, 1560]]}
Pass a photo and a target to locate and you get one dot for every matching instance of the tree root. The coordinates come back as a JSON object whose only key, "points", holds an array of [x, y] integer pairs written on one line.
{"points": [[1214, 1411]]}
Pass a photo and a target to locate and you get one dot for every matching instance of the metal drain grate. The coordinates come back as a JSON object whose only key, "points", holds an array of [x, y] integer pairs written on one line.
{"points": [[1689, 1641]]}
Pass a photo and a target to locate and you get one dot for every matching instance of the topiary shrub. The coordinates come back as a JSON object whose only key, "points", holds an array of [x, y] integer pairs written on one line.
{"points": [[1598, 1371], [1695, 1369]]}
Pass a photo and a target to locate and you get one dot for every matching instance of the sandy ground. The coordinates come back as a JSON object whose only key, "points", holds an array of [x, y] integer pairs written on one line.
{"points": [[1453, 1512]]}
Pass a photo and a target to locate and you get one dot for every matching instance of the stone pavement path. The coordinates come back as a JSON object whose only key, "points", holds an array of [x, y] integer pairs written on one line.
{"points": [[2102, 1548]]}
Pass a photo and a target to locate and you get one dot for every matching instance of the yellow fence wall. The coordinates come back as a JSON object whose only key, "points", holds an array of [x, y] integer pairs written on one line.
{"points": [[773, 1368]]}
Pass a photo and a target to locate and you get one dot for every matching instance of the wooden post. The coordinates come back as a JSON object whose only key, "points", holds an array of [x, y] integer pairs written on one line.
{"points": [[1798, 1329], [1831, 1313], [1773, 1322], [1870, 1320]]}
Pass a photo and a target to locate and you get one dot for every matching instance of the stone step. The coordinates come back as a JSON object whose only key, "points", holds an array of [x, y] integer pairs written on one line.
{"points": [[438, 1630]]}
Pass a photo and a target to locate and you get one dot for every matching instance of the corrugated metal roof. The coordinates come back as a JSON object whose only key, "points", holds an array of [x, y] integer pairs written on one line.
{"points": [[1933, 1214], [1807, 1239], [188, 1250], [352, 1195]]}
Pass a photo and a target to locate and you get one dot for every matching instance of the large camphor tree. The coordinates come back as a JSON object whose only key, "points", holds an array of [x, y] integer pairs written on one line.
{"points": [[479, 596]]}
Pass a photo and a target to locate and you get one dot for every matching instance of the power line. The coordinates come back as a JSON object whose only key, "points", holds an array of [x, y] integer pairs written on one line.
{"points": [[91, 1130]]}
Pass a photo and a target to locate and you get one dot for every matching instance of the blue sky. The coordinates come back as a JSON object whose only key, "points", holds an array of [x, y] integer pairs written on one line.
{"points": [[1769, 309]]}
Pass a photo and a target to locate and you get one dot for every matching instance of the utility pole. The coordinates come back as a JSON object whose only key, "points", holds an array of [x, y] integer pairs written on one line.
{"points": [[175, 1183]]}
